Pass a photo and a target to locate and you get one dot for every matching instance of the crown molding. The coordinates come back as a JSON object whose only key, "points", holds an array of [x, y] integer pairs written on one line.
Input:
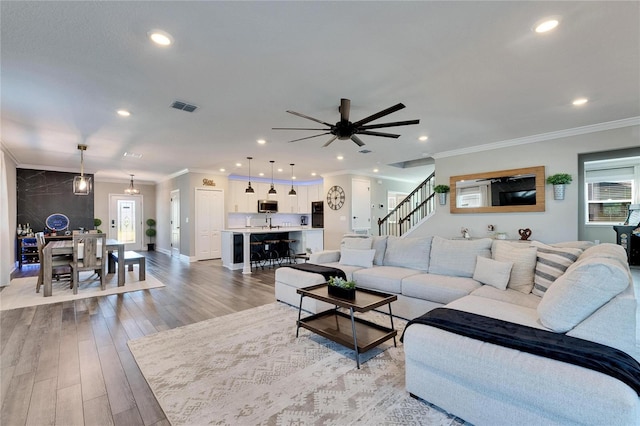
{"points": [[592, 128]]}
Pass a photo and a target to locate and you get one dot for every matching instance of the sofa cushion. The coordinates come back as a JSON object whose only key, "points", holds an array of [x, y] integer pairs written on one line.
{"points": [[510, 296], [524, 260], [612, 251], [586, 286], [347, 269], [582, 245], [356, 242], [438, 288], [380, 246], [408, 252], [387, 279], [353, 257], [492, 272], [551, 263], [457, 257]]}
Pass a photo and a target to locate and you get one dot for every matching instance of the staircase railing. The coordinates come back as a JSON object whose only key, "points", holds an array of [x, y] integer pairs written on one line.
{"points": [[419, 204]]}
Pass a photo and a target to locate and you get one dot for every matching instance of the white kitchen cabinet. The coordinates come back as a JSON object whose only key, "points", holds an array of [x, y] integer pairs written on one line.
{"points": [[302, 201]]}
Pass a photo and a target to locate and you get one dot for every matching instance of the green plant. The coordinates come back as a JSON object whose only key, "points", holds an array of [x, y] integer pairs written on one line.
{"points": [[96, 223], [150, 232], [342, 283], [441, 189], [559, 179]]}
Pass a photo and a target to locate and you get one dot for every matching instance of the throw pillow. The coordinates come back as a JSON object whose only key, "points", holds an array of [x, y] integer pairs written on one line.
{"points": [[551, 264], [354, 257], [410, 253], [356, 242], [524, 260], [492, 272], [457, 257], [583, 289]]}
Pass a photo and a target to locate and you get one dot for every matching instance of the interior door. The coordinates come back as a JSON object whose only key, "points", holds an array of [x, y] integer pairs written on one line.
{"points": [[175, 222], [360, 204], [209, 223], [125, 220]]}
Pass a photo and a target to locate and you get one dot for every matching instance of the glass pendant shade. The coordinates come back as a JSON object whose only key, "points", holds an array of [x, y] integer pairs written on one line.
{"points": [[82, 183], [249, 189], [272, 191], [131, 190], [292, 192]]}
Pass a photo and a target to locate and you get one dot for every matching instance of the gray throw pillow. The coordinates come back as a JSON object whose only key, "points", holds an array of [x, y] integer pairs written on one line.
{"points": [[410, 253], [457, 258]]}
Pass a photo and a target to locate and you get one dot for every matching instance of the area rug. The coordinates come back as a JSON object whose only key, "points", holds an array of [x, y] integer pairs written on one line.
{"points": [[21, 292], [248, 368]]}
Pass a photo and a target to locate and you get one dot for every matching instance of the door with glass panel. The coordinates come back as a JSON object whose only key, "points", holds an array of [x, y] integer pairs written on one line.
{"points": [[125, 220]]}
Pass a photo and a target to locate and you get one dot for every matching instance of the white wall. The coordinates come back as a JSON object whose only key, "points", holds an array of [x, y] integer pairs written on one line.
{"points": [[102, 190], [8, 242], [560, 220]]}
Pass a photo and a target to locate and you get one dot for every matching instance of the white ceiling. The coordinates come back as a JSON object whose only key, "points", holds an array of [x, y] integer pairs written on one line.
{"points": [[474, 73]]}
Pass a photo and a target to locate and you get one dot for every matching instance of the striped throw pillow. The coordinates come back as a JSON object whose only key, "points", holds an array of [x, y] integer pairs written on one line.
{"points": [[552, 262]]}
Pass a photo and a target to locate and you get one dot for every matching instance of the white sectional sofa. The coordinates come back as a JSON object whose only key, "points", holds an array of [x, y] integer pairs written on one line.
{"points": [[575, 288]]}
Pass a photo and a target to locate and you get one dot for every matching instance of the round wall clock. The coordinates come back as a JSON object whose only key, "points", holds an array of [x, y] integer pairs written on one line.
{"points": [[335, 197]]}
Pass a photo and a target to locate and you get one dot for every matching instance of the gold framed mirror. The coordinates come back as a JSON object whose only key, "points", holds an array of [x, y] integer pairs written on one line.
{"points": [[501, 191]]}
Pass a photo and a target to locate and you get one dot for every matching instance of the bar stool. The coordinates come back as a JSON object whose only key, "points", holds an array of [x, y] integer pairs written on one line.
{"points": [[271, 252], [257, 258], [289, 253]]}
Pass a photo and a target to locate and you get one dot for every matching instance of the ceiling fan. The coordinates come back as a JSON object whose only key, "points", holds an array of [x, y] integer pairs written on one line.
{"points": [[345, 129]]}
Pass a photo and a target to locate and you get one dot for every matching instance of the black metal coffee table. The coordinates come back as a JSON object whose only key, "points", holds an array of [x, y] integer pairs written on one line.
{"points": [[355, 333]]}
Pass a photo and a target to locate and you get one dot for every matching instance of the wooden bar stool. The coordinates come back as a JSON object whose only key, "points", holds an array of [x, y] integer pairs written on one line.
{"points": [[257, 258], [271, 252]]}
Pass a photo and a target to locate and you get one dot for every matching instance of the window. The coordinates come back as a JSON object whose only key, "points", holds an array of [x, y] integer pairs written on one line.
{"points": [[610, 191]]}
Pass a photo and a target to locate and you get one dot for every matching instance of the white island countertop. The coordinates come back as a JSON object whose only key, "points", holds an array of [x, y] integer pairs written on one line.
{"points": [[267, 230]]}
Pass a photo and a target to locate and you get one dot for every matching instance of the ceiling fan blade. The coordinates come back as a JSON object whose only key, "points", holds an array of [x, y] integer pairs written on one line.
{"points": [[329, 141], [309, 118], [380, 114], [294, 128], [395, 123], [309, 137], [384, 135], [345, 107], [357, 140]]}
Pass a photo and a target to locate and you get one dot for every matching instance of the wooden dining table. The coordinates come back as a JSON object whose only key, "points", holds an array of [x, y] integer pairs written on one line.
{"points": [[66, 247]]}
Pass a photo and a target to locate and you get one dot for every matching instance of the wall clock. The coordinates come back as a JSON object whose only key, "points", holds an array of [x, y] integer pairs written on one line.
{"points": [[335, 197]]}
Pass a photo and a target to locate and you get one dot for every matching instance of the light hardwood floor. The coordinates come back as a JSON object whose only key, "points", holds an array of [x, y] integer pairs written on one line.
{"points": [[69, 363]]}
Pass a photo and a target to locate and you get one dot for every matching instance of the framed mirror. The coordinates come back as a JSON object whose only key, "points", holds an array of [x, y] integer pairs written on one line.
{"points": [[502, 191]]}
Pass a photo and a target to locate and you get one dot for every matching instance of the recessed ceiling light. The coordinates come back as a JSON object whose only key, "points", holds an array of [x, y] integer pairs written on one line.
{"points": [[223, 170], [546, 25], [340, 157], [238, 164], [280, 170], [160, 37], [123, 113], [261, 141], [261, 174], [580, 101], [423, 138], [313, 173], [375, 170]]}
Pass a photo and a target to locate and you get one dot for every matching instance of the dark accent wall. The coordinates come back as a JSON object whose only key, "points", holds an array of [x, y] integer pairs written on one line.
{"points": [[41, 193]]}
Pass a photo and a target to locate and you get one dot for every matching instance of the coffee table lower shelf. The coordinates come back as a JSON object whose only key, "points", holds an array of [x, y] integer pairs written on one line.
{"points": [[337, 326]]}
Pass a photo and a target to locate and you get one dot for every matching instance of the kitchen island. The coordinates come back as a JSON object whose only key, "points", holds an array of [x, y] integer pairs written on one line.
{"points": [[236, 248]]}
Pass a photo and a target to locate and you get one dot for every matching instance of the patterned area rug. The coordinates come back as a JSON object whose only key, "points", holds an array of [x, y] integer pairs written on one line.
{"points": [[248, 368], [21, 292]]}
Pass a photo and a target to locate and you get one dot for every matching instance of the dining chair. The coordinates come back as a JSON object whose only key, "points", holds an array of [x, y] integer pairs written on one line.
{"points": [[89, 254], [59, 263]]}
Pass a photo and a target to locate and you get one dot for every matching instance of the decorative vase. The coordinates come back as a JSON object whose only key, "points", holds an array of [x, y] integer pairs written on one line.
{"points": [[342, 293], [558, 192], [442, 198]]}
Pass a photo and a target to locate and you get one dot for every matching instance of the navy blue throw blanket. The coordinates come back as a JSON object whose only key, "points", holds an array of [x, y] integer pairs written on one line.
{"points": [[560, 347], [325, 271]]}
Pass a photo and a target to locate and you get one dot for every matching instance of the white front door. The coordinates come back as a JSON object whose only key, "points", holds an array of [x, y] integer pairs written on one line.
{"points": [[360, 204], [209, 223], [125, 220], [175, 223]]}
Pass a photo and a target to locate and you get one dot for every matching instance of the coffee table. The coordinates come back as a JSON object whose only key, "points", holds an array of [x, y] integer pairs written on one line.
{"points": [[355, 333]]}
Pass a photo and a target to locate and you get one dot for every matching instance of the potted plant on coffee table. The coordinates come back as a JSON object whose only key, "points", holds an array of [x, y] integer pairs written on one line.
{"points": [[151, 232], [559, 180], [341, 288], [441, 190]]}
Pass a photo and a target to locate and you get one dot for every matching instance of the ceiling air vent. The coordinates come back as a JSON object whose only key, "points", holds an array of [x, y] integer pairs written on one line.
{"points": [[364, 151], [183, 106]]}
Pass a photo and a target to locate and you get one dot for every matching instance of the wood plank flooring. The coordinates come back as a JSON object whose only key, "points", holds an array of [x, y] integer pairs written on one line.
{"points": [[69, 364]]}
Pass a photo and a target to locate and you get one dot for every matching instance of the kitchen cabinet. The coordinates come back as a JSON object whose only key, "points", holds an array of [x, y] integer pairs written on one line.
{"points": [[241, 202]]}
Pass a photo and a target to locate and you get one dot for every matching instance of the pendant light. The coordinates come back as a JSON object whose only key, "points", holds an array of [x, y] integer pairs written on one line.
{"points": [[249, 189], [272, 191], [81, 184], [292, 192], [131, 190]]}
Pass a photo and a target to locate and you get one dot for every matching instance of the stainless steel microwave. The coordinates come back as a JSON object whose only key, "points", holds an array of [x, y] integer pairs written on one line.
{"points": [[267, 206]]}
